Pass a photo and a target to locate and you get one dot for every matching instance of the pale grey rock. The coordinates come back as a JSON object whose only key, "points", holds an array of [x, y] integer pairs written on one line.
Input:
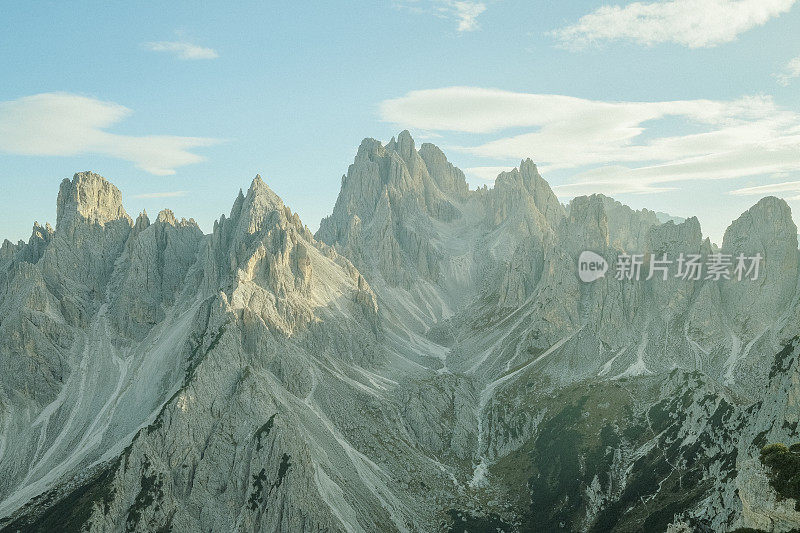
{"points": [[766, 229], [761, 508], [40, 238], [89, 198], [430, 350], [439, 413], [91, 231], [627, 227], [156, 260], [449, 179]]}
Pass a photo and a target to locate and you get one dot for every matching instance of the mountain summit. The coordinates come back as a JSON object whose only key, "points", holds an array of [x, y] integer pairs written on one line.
{"points": [[428, 361], [91, 197]]}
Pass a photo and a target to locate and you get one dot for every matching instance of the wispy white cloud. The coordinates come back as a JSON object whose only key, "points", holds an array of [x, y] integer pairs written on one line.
{"points": [[171, 194], [464, 12], [692, 23], [63, 124], [182, 49], [612, 147], [790, 72], [789, 190]]}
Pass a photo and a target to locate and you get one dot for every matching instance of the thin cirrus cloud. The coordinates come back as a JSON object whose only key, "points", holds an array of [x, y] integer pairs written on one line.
{"points": [[610, 147], [464, 12], [64, 124], [790, 72], [692, 23], [787, 189], [182, 49]]}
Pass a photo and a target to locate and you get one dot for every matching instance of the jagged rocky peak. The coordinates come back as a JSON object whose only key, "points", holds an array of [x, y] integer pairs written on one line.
{"points": [[523, 191], [449, 178], [370, 148], [42, 232], [261, 190], [166, 216], [766, 228], [41, 235], [386, 203], [262, 212], [142, 222], [254, 214], [588, 222], [159, 256], [685, 236], [238, 203], [544, 197], [392, 197], [91, 197], [249, 212], [7, 250], [40, 238], [29, 252], [270, 267], [627, 227], [261, 230], [377, 167], [92, 228], [416, 175], [404, 145], [770, 218], [424, 177], [259, 204]]}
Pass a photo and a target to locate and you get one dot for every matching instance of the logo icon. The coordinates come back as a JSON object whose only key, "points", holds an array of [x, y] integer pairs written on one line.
{"points": [[591, 266]]}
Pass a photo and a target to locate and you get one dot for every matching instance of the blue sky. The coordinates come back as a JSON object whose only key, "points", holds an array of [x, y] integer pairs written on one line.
{"points": [[685, 106]]}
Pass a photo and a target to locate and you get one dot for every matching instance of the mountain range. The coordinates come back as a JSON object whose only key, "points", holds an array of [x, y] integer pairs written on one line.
{"points": [[428, 360]]}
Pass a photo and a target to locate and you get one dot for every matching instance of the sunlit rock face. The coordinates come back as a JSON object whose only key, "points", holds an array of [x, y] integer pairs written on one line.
{"points": [[428, 361]]}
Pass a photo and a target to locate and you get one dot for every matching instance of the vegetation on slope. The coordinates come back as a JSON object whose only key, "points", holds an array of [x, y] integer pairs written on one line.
{"points": [[783, 464]]}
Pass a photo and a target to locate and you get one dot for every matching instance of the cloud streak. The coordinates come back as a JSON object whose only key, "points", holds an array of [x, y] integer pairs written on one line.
{"points": [[612, 147], [691, 23], [790, 72], [464, 12], [182, 49], [789, 190], [63, 124]]}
